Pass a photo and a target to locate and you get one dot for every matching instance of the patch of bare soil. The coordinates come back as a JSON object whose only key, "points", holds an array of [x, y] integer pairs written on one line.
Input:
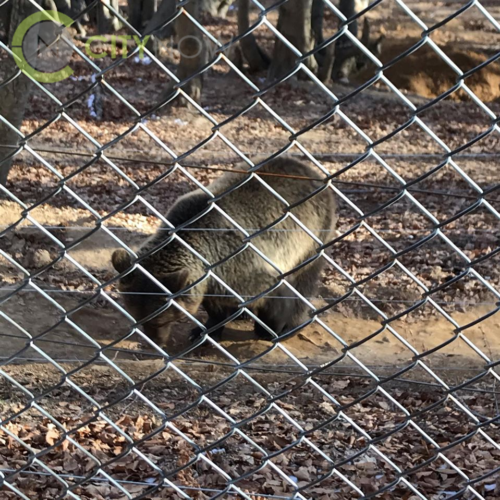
{"points": [[89, 327], [89, 397], [427, 73]]}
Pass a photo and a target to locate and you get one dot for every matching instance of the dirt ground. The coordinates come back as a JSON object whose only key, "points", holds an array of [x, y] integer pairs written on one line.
{"points": [[69, 349]]}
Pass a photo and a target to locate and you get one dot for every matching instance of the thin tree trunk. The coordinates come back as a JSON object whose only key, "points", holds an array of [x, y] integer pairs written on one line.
{"points": [[193, 50], [135, 13], [140, 12], [5, 11], [71, 8], [350, 8], [15, 95], [77, 6], [295, 25], [345, 52], [324, 56], [216, 8], [194, 54], [326, 66], [317, 13], [64, 7], [256, 58], [107, 22], [149, 8], [165, 10]]}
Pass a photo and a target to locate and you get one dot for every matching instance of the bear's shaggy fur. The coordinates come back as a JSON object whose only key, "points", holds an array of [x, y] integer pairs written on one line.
{"points": [[235, 260]]}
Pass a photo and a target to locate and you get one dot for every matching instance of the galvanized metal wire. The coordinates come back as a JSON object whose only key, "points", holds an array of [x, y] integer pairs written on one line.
{"points": [[69, 483]]}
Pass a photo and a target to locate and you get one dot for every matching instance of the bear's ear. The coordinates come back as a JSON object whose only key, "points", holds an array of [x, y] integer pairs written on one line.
{"points": [[175, 281], [121, 260]]}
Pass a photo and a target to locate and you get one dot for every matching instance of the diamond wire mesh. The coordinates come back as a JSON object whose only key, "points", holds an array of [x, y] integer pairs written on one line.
{"points": [[233, 483]]}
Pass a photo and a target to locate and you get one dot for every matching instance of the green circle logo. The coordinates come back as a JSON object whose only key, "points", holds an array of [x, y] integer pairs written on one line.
{"points": [[41, 48]]}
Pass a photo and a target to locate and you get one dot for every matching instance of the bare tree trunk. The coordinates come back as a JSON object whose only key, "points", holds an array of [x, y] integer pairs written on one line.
{"points": [[70, 8], [5, 10], [149, 8], [350, 8], [324, 57], [165, 10], [194, 54], [135, 13], [345, 52], [14, 96], [295, 25], [78, 6], [216, 8], [256, 58], [317, 13], [107, 22], [64, 7], [326, 66], [145, 9], [193, 50], [141, 12]]}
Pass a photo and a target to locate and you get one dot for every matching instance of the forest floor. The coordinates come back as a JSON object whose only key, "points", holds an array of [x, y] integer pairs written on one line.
{"points": [[60, 306]]}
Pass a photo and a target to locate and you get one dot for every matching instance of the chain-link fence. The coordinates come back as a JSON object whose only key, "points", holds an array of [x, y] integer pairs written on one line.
{"points": [[372, 377]]}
